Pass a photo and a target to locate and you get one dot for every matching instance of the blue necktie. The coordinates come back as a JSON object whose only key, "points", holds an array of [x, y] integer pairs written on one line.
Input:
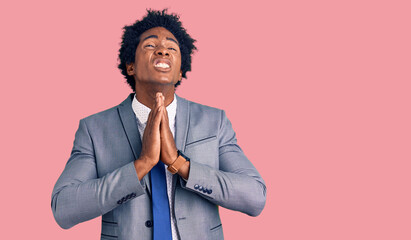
{"points": [[161, 208]]}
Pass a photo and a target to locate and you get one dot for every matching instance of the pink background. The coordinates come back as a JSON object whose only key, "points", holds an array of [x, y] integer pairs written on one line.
{"points": [[317, 91]]}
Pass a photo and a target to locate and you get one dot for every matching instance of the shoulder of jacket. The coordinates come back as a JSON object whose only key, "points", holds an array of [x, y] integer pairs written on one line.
{"points": [[201, 108], [103, 115]]}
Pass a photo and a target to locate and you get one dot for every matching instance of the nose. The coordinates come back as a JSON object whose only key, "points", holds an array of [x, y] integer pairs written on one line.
{"points": [[162, 51]]}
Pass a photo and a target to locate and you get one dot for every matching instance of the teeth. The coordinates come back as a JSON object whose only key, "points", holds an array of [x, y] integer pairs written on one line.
{"points": [[162, 65]]}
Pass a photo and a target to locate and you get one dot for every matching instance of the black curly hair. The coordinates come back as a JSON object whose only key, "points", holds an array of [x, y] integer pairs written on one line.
{"points": [[131, 39]]}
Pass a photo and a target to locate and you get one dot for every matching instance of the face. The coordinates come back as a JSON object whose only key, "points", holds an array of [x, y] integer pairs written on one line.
{"points": [[158, 58]]}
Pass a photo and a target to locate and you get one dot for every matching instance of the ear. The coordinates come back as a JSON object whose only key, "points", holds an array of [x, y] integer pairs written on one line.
{"points": [[130, 69]]}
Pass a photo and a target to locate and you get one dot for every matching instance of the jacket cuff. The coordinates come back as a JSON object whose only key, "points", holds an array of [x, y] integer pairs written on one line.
{"points": [[199, 180]]}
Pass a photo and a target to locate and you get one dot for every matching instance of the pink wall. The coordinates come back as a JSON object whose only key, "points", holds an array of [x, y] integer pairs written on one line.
{"points": [[317, 91]]}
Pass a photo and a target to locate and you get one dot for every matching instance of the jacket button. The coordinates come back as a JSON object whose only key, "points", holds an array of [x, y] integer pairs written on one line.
{"points": [[205, 190], [200, 188], [209, 191], [133, 195], [119, 202], [149, 223], [196, 186]]}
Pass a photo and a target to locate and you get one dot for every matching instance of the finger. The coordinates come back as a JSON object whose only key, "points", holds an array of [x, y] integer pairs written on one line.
{"points": [[164, 122], [155, 105], [157, 117], [157, 101], [150, 116], [165, 127], [161, 99], [158, 110], [154, 110], [166, 115], [152, 123]]}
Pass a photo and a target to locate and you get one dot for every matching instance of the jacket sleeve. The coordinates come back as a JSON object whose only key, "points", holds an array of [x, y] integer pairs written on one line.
{"points": [[236, 185], [79, 195]]}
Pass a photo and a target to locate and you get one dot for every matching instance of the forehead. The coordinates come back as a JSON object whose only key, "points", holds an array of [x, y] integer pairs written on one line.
{"points": [[160, 32]]}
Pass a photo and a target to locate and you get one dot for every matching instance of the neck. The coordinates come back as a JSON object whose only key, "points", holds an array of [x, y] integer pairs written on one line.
{"points": [[147, 94]]}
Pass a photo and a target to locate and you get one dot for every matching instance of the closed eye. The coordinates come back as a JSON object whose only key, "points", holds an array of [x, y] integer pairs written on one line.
{"points": [[173, 49], [149, 45]]}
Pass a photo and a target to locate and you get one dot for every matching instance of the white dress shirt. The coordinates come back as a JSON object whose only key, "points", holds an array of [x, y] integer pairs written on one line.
{"points": [[142, 113]]}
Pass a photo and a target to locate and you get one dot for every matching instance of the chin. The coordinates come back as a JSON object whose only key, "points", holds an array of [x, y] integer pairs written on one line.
{"points": [[163, 80]]}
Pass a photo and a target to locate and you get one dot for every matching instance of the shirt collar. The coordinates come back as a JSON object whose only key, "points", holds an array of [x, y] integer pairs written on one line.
{"points": [[143, 111]]}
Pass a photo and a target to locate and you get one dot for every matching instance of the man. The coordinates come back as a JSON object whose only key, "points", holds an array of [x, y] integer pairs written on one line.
{"points": [[156, 166]]}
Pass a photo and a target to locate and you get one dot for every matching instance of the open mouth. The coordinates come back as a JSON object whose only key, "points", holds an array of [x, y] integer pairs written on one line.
{"points": [[162, 64]]}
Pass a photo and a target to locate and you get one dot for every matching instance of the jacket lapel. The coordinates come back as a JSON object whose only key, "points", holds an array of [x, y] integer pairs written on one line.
{"points": [[182, 122], [129, 120]]}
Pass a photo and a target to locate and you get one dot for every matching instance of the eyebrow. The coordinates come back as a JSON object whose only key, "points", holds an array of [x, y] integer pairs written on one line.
{"points": [[155, 36]]}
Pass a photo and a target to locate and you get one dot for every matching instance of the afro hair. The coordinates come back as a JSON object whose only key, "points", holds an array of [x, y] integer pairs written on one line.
{"points": [[131, 39]]}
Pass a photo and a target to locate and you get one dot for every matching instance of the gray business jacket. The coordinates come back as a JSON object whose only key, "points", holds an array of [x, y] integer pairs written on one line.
{"points": [[100, 178]]}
